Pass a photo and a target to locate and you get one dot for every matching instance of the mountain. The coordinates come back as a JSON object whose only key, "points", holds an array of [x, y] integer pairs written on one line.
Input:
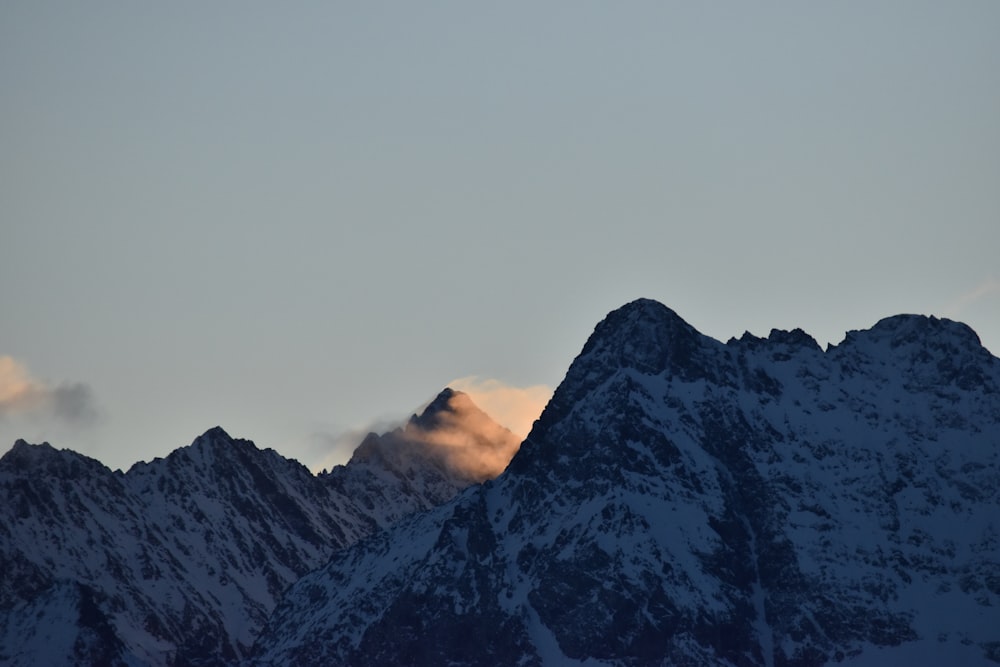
{"points": [[452, 444], [179, 561], [687, 502]]}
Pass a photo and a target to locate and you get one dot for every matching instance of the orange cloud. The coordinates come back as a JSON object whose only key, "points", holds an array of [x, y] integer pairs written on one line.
{"points": [[21, 394], [476, 438], [467, 440], [517, 408], [472, 433], [452, 433], [328, 449]]}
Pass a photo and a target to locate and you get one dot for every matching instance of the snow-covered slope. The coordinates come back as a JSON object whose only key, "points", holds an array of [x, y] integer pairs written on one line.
{"points": [[687, 502], [180, 561]]}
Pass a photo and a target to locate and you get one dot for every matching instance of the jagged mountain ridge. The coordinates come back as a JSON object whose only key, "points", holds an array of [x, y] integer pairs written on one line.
{"points": [[683, 501], [180, 560]]}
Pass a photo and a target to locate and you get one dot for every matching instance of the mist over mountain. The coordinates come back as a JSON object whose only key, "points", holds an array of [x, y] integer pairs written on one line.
{"points": [[453, 433], [180, 560], [687, 502], [680, 501]]}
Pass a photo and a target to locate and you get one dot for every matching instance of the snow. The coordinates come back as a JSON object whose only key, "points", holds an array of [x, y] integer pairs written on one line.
{"points": [[921, 653], [42, 632], [195, 538], [859, 457], [882, 478]]}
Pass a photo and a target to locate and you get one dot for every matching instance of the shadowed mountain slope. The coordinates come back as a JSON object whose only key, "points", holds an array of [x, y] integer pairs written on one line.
{"points": [[181, 560], [687, 502]]}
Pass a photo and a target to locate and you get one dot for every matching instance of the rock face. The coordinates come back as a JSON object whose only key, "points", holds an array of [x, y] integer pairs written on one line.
{"points": [[181, 560], [687, 502]]}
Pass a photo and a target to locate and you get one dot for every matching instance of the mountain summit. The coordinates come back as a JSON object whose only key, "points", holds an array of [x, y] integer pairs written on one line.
{"points": [[687, 502], [180, 560], [681, 501], [452, 433]]}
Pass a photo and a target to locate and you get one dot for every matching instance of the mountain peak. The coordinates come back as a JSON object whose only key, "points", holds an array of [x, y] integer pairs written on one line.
{"points": [[44, 457], [647, 311], [644, 335], [451, 432], [23, 454], [930, 351], [212, 447], [214, 434], [442, 404], [901, 329], [692, 503], [794, 338], [215, 439]]}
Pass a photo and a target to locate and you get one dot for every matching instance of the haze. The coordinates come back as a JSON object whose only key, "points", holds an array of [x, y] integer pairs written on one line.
{"points": [[302, 221]]}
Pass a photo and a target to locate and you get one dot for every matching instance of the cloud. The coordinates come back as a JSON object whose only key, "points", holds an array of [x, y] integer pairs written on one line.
{"points": [[18, 391], [517, 408], [22, 395], [986, 289], [466, 439], [476, 440], [332, 448]]}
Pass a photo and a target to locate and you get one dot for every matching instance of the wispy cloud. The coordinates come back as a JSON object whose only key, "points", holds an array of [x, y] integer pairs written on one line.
{"points": [[517, 408], [984, 290], [477, 444], [466, 439], [21, 395], [327, 449]]}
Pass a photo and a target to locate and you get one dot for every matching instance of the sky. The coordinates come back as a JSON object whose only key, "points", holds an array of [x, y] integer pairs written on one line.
{"points": [[302, 220]]}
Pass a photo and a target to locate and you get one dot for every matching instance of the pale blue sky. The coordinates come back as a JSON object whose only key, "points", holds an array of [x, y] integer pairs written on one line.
{"points": [[296, 219]]}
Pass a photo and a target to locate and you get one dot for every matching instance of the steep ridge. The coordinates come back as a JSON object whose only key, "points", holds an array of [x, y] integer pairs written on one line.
{"points": [[180, 560], [687, 502]]}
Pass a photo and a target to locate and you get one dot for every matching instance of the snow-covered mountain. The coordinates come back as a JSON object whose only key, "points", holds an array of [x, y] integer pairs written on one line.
{"points": [[180, 561], [687, 502]]}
